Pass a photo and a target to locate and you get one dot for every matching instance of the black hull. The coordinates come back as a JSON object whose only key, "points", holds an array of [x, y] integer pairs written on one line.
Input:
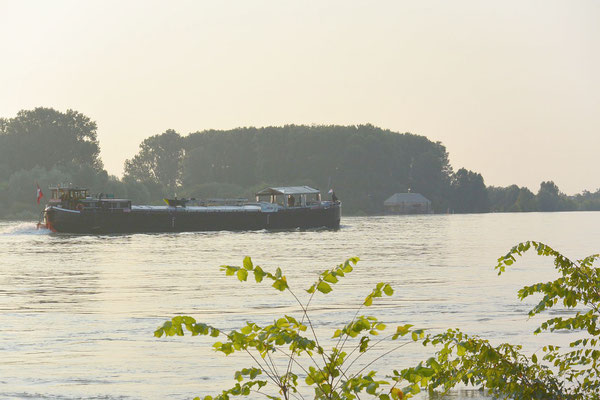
{"points": [[181, 220]]}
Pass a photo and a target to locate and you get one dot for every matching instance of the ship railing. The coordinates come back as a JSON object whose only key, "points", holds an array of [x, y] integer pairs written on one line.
{"points": [[219, 202]]}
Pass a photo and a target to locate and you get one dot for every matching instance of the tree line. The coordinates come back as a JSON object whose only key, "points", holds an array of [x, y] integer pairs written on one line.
{"points": [[364, 164]]}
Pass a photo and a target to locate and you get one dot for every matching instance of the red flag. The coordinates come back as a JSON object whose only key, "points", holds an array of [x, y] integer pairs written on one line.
{"points": [[39, 194]]}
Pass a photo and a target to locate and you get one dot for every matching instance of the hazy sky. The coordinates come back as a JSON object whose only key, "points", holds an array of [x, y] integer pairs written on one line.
{"points": [[511, 88]]}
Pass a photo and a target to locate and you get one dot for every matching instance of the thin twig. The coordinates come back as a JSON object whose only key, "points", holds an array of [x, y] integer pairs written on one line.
{"points": [[273, 364], [380, 357], [289, 367], [272, 378], [311, 327], [302, 368]]}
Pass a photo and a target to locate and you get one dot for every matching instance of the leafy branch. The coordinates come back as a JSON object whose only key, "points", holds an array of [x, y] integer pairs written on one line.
{"points": [[503, 370], [330, 376]]}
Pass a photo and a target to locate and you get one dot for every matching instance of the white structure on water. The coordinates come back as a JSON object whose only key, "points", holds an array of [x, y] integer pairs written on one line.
{"points": [[407, 203]]}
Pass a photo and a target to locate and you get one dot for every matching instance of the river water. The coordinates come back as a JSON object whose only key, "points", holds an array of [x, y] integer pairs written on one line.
{"points": [[77, 313]]}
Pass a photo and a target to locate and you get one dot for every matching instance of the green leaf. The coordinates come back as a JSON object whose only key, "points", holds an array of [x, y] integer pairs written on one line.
{"points": [[248, 263], [403, 329], [246, 329], [364, 344], [280, 284], [259, 274], [229, 270], [242, 274], [282, 323], [415, 389], [323, 287], [238, 376], [387, 289], [309, 380]]}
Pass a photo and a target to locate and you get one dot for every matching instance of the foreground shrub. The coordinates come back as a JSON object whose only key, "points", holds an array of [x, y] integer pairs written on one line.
{"points": [[329, 372], [552, 372], [503, 371]]}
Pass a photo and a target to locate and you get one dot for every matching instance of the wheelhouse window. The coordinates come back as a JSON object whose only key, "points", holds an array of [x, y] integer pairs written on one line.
{"points": [[68, 193]]}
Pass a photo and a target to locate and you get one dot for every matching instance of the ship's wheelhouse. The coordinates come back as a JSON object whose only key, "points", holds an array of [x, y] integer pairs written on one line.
{"points": [[290, 196], [74, 198], [67, 196]]}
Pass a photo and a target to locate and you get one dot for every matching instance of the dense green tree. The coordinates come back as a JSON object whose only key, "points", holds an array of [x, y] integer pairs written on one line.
{"points": [[511, 199], [158, 161], [526, 201], [549, 197], [503, 199], [47, 138], [18, 198], [214, 190], [469, 193], [46, 147], [430, 174], [363, 164], [587, 201]]}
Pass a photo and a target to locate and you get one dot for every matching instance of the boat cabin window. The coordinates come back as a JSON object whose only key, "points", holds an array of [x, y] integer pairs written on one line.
{"points": [[313, 198], [274, 199], [296, 200], [291, 200], [68, 194], [290, 196]]}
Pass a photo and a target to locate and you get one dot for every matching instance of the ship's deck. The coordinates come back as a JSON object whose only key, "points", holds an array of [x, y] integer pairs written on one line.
{"points": [[244, 208]]}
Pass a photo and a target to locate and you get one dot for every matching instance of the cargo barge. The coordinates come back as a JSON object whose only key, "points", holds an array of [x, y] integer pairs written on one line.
{"points": [[73, 210]]}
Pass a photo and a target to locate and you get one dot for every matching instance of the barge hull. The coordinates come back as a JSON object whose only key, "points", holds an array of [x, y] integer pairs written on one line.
{"points": [[182, 220]]}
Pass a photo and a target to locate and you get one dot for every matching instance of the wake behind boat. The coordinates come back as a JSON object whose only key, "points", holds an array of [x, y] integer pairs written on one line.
{"points": [[73, 210]]}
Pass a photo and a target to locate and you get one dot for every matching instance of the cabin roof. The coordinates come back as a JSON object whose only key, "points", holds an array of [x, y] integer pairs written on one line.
{"points": [[287, 190], [405, 198]]}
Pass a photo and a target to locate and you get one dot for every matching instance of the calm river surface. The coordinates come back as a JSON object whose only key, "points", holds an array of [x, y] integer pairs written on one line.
{"points": [[77, 313]]}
